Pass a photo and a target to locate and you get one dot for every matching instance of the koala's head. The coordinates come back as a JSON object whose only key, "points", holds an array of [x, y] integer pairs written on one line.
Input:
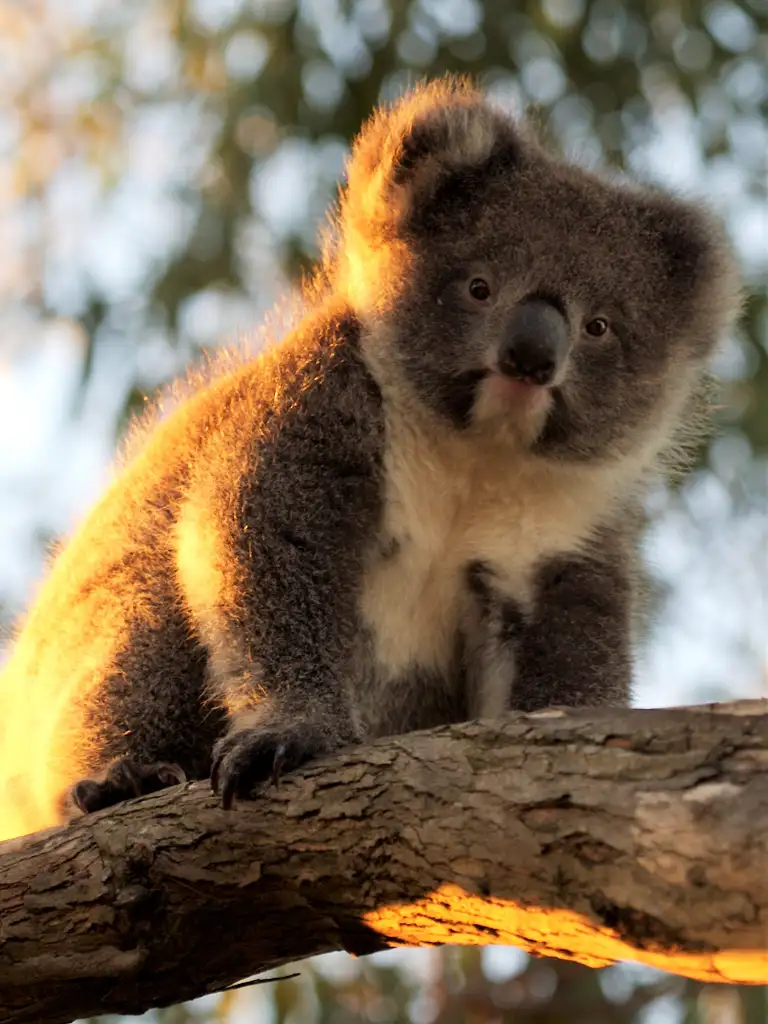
{"points": [[512, 288]]}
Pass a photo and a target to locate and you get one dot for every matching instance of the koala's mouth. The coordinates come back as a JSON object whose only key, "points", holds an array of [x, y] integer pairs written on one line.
{"points": [[514, 396], [486, 395], [519, 393]]}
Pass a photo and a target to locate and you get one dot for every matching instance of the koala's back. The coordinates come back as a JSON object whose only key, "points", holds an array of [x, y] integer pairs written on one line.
{"points": [[112, 647]]}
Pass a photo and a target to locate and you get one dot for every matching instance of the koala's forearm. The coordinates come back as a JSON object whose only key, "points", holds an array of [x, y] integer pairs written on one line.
{"points": [[285, 541], [575, 647]]}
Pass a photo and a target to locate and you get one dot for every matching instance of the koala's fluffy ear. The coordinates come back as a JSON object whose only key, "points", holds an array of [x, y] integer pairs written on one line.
{"points": [[404, 152], [696, 261]]}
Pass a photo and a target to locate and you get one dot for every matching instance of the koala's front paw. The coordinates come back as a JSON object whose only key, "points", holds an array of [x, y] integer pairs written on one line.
{"points": [[124, 779], [249, 756]]}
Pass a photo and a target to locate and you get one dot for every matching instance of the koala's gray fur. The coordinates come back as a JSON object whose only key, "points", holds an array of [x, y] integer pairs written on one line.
{"points": [[370, 528]]}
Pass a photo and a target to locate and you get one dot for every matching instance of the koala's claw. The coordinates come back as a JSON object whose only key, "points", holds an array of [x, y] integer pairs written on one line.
{"points": [[245, 758], [124, 779], [277, 764]]}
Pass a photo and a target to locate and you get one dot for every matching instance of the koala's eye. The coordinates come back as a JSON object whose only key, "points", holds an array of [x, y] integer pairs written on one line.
{"points": [[479, 289], [597, 328]]}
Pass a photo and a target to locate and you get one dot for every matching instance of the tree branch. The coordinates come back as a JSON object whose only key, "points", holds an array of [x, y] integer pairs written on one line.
{"points": [[590, 835]]}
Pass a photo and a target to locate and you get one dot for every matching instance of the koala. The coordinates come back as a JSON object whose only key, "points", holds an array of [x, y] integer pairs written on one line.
{"points": [[420, 507]]}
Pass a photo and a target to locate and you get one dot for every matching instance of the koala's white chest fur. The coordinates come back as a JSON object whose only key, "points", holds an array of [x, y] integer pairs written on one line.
{"points": [[451, 501]]}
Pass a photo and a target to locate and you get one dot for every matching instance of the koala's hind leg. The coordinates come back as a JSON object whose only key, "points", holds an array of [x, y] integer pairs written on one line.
{"points": [[147, 725]]}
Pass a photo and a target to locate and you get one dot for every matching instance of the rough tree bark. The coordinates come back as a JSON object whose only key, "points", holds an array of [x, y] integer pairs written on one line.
{"points": [[589, 835]]}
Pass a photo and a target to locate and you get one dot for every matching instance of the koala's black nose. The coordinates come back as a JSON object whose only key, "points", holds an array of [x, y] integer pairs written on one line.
{"points": [[536, 342]]}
